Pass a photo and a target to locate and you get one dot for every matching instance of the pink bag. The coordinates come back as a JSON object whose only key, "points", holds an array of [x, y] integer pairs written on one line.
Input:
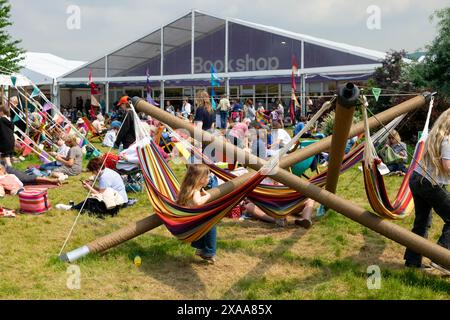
{"points": [[34, 202]]}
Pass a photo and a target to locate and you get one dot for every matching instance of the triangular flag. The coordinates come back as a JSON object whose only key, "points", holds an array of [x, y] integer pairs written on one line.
{"points": [[35, 92], [13, 80], [96, 153], [44, 157], [376, 92], [26, 145], [46, 107], [16, 118]]}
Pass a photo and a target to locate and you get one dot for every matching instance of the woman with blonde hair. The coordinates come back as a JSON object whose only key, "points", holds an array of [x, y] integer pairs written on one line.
{"points": [[428, 185], [204, 114], [193, 194]]}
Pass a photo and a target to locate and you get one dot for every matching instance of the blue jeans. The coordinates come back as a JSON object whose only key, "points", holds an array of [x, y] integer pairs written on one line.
{"points": [[394, 167], [208, 244], [427, 197], [223, 119], [50, 166]]}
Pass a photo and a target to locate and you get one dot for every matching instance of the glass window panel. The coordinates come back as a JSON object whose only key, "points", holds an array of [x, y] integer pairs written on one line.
{"points": [[209, 45], [255, 50], [135, 59], [97, 68], [177, 46]]}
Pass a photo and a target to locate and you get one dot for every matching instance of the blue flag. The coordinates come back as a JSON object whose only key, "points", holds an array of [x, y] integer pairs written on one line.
{"points": [[215, 82], [13, 80]]}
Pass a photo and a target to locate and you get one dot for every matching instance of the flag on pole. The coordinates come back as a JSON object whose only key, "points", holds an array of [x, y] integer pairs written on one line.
{"points": [[215, 82], [149, 91]]}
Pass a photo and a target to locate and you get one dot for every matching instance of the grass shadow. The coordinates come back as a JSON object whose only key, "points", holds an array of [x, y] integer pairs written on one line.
{"points": [[167, 260], [265, 264]]}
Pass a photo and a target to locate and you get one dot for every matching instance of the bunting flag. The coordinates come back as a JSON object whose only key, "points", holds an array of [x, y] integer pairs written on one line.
{"points": [[58, 119], [215, 82], [294, 101], [35, 92], [44, 157], [13, 80], [47, 107], [43, 115], [376, 92], [26, 147], [16, 118], [149, 91]]}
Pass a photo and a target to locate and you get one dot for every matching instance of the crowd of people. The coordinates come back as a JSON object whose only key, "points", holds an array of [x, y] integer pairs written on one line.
{"points": [[253, 128]]}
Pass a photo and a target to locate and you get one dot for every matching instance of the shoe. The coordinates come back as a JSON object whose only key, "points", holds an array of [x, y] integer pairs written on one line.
{"points": [[63, 207], [304, 223], [281, 222], [440, 268], [132, 202], [199, 252], [210, 260], [321, 211]]}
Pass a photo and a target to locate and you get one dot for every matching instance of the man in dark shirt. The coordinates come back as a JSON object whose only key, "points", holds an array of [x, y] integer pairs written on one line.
{"points": [[126, 135]]}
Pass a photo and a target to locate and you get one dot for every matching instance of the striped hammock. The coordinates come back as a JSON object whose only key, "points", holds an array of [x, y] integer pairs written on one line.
{"points": [[402, 206], [187, 224]]}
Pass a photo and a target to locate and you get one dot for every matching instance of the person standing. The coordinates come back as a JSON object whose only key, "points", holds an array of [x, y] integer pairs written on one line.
{"points": [[224, 108], [186, 109], [249, 110], [6, 135], [126, 135], [170, 108], [428, 185]]}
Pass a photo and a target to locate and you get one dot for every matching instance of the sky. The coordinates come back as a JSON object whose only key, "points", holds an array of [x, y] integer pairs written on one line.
{"points": [[104, 25]]}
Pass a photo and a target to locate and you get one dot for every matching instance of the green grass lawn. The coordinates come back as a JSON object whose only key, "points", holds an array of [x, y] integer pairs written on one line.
{"points": [[255, 260]]}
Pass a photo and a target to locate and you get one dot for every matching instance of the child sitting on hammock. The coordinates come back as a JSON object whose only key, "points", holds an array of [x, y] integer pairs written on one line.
{"points": [[193, 194]]}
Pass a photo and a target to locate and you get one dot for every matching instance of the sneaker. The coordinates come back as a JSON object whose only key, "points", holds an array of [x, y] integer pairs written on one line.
{"points": [[199, 252], [304, 223], [281, 222], [440, 268], [131, 202], [63, 207], [208, 259]]}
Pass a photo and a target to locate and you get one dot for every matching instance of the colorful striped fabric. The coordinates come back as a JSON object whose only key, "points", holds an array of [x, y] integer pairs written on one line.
{"points": [[34, 201], [187, 224], [375, 187]]}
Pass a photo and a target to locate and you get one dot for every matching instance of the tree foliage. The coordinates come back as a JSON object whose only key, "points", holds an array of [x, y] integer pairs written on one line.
{"points": [[10, 52]]}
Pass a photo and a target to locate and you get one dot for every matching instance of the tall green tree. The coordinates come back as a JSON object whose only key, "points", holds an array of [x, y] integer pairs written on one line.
{"points": [[10, 52], [434, 71]]}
